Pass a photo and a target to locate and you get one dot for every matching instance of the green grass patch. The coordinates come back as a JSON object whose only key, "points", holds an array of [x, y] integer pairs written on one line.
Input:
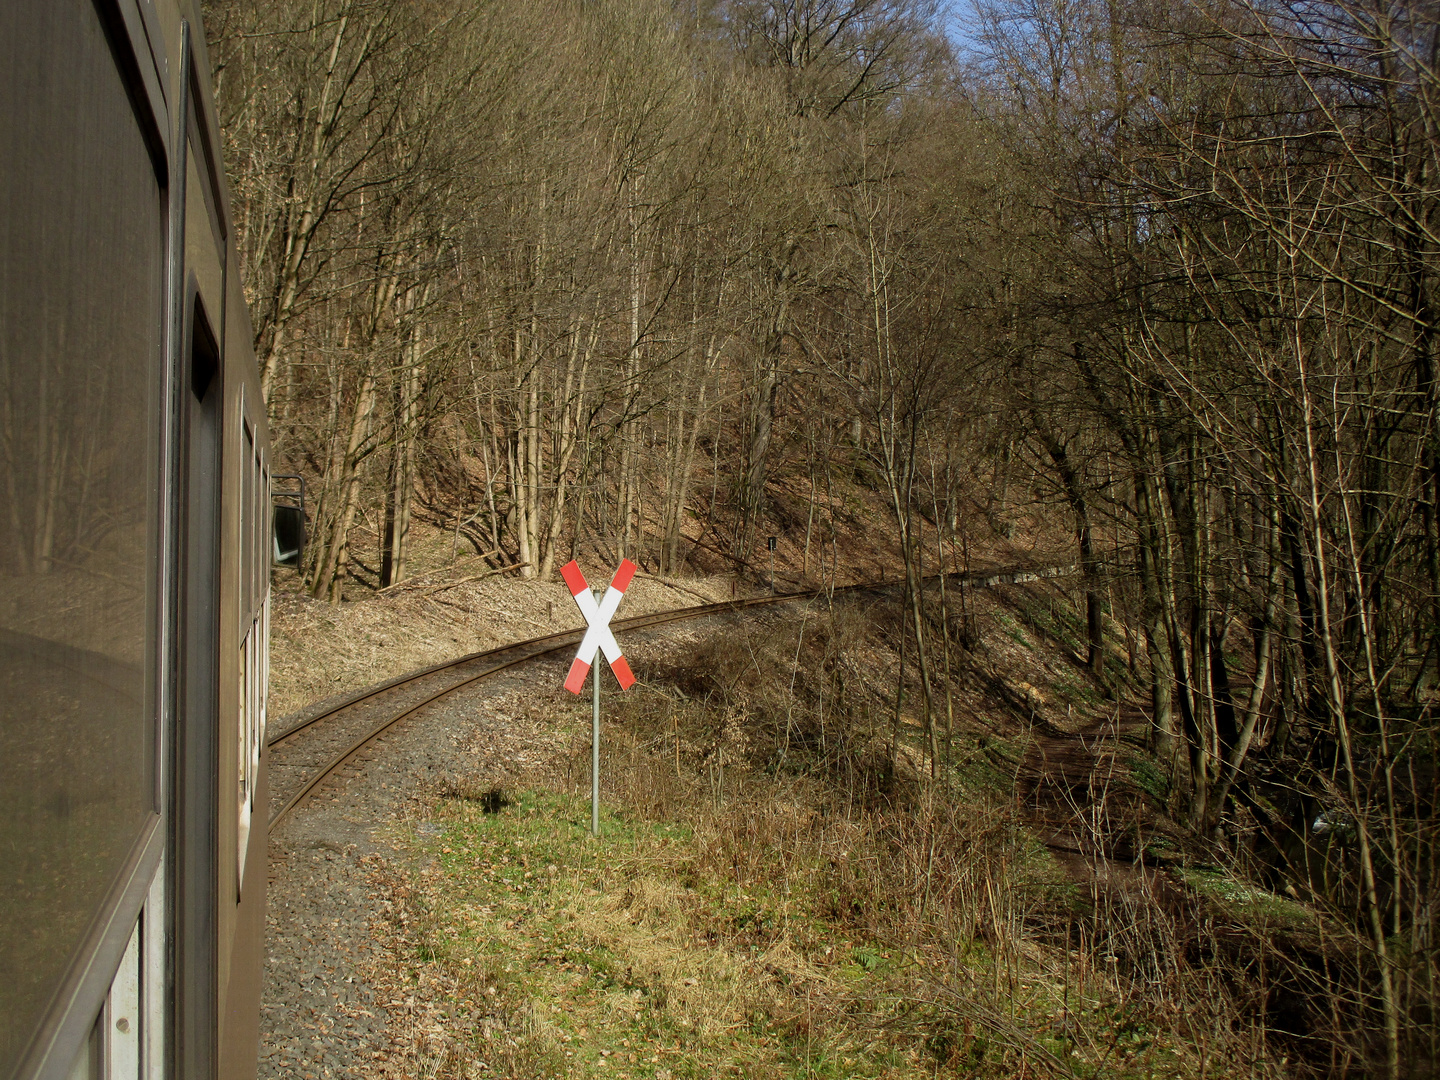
{"points": [[1149, 777], [618, 960], [760, 942], [1245, 902]]}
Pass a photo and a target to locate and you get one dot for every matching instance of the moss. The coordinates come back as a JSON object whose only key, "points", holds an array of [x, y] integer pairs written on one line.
{"points": [[1149, 777], [1245, 902]]}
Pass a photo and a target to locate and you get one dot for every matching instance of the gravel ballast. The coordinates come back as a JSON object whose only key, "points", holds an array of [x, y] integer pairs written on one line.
{"points": [[342, 995]]}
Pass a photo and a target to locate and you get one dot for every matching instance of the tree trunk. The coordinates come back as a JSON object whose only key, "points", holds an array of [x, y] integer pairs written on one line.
{"points": [[1089, 562], [1154, 619], [407, 418], [762, 419], [330, 552]]}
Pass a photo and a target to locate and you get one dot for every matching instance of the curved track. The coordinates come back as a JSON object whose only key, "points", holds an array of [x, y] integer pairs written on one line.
{"points": [[306, 753]]}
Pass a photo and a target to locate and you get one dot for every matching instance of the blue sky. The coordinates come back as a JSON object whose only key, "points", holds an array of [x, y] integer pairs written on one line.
{"points": [[957, 16]]}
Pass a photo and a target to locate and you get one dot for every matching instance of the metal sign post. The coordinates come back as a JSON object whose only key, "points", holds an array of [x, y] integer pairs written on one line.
{"points": [[598, 638], [595, 757], [770, 543]]}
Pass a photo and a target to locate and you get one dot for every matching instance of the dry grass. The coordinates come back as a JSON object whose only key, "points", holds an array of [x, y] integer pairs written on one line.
{"points": [[320, 650], [764, 938], [772, 899], [781, 889]]}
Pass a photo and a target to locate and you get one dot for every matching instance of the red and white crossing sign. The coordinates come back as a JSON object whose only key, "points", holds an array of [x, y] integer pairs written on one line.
{"points": [[597, 618]]}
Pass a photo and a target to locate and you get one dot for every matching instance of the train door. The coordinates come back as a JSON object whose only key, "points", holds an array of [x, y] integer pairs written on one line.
{"points": [[197, 701]]}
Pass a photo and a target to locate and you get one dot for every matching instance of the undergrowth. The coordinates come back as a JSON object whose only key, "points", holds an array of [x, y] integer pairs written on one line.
{"points": [[780, 890]]}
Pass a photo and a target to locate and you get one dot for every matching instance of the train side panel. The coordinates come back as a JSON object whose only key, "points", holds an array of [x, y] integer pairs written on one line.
{"points": [[244, 838], [134, 559]]}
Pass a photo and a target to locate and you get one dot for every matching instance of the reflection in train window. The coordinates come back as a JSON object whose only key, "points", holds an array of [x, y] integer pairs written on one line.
{"points": [[81, 317]]}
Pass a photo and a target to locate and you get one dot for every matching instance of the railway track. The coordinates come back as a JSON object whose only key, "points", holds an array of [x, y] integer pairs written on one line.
{"points": [[319, 746]]}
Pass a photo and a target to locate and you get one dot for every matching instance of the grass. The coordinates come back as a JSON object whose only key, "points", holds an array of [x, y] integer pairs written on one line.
{"points": [[1013, 630], [619, 959], [1149, 777], [668, 950], [1245, 902], [766, 901]]}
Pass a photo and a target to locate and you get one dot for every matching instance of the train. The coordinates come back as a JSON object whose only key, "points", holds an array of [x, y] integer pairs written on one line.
{"points": [[137, 543]]}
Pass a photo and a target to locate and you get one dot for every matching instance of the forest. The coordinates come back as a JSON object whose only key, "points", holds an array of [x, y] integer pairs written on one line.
{"points": [[600, 272]]}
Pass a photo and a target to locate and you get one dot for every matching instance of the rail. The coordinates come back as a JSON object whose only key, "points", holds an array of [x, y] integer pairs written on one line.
{"points": [[534, 648]]}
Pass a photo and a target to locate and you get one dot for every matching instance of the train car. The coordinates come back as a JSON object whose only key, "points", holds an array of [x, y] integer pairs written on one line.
{"points": [[135, 540]]}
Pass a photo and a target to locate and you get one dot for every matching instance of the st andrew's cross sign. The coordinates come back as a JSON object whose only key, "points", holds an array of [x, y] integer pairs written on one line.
{"points": [[597, 618], [598, 637]]}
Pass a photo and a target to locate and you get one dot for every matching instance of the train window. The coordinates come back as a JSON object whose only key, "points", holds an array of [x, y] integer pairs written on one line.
{"points": [[242, 757], [259, 551], [264, 541], [81, 358], [287, 528], [247, 532], [254, 576], [204, 354], [289, 535]]}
